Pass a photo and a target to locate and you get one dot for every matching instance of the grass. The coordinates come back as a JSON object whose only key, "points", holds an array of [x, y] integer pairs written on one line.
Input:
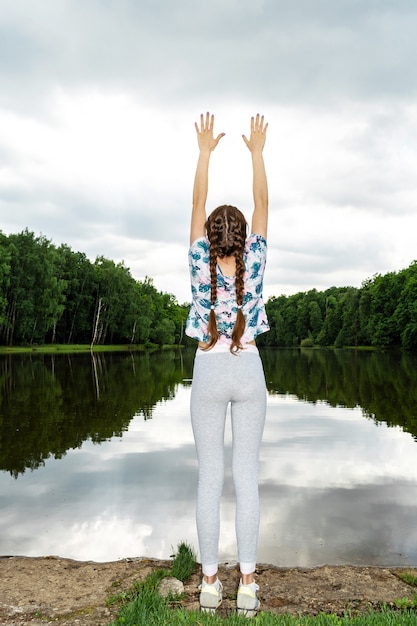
{"points": [[70, 348], [407, 577], [147, 607], [144, 606], [406, 603], [150, 609], [184, 562]]}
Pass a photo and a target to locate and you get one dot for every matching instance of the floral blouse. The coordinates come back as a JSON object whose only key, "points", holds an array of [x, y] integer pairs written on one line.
{"points": [[253, 307]]}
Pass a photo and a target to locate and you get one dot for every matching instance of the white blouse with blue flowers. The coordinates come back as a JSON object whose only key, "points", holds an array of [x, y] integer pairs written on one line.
{"points": [[253, 307]]}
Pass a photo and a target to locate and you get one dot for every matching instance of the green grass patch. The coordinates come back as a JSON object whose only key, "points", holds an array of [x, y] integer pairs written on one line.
{"points": [[150, 609], [184, 562], [406, 603], [65, 348], [145, 606], [71, 348], [407, 577]]}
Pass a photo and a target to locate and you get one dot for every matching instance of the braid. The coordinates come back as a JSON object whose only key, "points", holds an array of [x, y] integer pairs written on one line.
{"points": [[239, 327], [226, 231], [212, 324]]}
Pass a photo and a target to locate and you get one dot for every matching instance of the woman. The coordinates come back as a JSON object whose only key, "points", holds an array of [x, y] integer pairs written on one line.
{"points": [[227, 313]]}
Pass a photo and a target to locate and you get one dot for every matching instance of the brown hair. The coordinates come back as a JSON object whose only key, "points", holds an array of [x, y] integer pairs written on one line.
{"points": [[226, 231]]}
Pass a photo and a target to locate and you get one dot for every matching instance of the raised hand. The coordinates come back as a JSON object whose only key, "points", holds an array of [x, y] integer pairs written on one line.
{"points": [[257, 137], [205, 137]]}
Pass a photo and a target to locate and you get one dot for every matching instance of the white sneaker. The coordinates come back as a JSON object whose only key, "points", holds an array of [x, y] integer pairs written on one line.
{"points": [[247, 600], [210, 596]]}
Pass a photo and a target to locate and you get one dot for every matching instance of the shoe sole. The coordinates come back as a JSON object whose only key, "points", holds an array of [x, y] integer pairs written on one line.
{"points": [[209, 609], [247, 612]]}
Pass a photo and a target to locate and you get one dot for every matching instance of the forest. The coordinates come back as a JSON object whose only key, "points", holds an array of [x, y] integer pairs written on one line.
{"points": [[381, 313], [52, 294]]}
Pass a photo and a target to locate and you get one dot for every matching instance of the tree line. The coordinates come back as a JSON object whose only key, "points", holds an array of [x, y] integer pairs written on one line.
{"points": [[51, 294], [381, 313]]}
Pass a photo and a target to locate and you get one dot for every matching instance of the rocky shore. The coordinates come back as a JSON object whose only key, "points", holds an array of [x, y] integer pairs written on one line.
{"points": [[40, 591]]}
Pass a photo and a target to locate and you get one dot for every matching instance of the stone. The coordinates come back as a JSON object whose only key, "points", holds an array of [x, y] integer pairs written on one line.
{"points": [[171, 586]]}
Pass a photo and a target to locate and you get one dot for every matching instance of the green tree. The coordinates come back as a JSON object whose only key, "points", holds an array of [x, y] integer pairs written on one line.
{"points": [[143, 311], [35, 294], [112, 301], [405, 315], [349, 334], [316, 320], [4, 278], [80, 279], [384, 293]]}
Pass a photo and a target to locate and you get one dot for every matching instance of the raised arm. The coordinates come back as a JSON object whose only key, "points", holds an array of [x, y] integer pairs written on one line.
{"points": [[206, 143], [256, 143]]}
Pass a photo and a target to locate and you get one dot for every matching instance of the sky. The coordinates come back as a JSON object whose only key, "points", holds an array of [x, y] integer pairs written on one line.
{"points": [[98, 100]]}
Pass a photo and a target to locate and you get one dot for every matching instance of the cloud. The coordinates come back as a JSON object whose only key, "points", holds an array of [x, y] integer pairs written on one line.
{"points": [[98, 149], [279, 51]]}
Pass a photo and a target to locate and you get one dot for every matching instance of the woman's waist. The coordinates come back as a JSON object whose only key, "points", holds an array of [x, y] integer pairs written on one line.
{"points": [[224, 346]]}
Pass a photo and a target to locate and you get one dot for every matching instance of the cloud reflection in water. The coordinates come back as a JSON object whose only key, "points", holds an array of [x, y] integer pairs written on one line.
{"points": [[335, 488]]}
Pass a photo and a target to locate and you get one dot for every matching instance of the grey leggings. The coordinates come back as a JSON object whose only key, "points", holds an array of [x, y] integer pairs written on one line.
{"points": [[221, 378]]}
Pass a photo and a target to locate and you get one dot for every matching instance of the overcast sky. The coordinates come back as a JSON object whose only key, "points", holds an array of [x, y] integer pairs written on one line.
{"points": [[98, 100]]}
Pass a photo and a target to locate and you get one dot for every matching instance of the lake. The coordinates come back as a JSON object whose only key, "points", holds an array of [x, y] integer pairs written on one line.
{"points": [[97, 458]]}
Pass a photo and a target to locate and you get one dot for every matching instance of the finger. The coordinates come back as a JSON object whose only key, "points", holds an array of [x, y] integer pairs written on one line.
{"points": [[207, 126], [245, 139], [202, 122], [211, 123], [196, 127], [265, 127], [257, 122]]}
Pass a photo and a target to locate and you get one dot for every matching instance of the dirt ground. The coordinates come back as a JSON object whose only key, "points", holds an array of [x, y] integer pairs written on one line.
{"points": [[39, 591]]}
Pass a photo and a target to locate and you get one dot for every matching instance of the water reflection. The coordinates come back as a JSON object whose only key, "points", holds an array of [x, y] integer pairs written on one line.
{"points": [[382, 384], [50, 404], [335, 487]]}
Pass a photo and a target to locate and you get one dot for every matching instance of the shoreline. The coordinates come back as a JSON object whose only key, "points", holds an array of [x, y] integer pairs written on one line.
{"points": [[38, 590]]}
